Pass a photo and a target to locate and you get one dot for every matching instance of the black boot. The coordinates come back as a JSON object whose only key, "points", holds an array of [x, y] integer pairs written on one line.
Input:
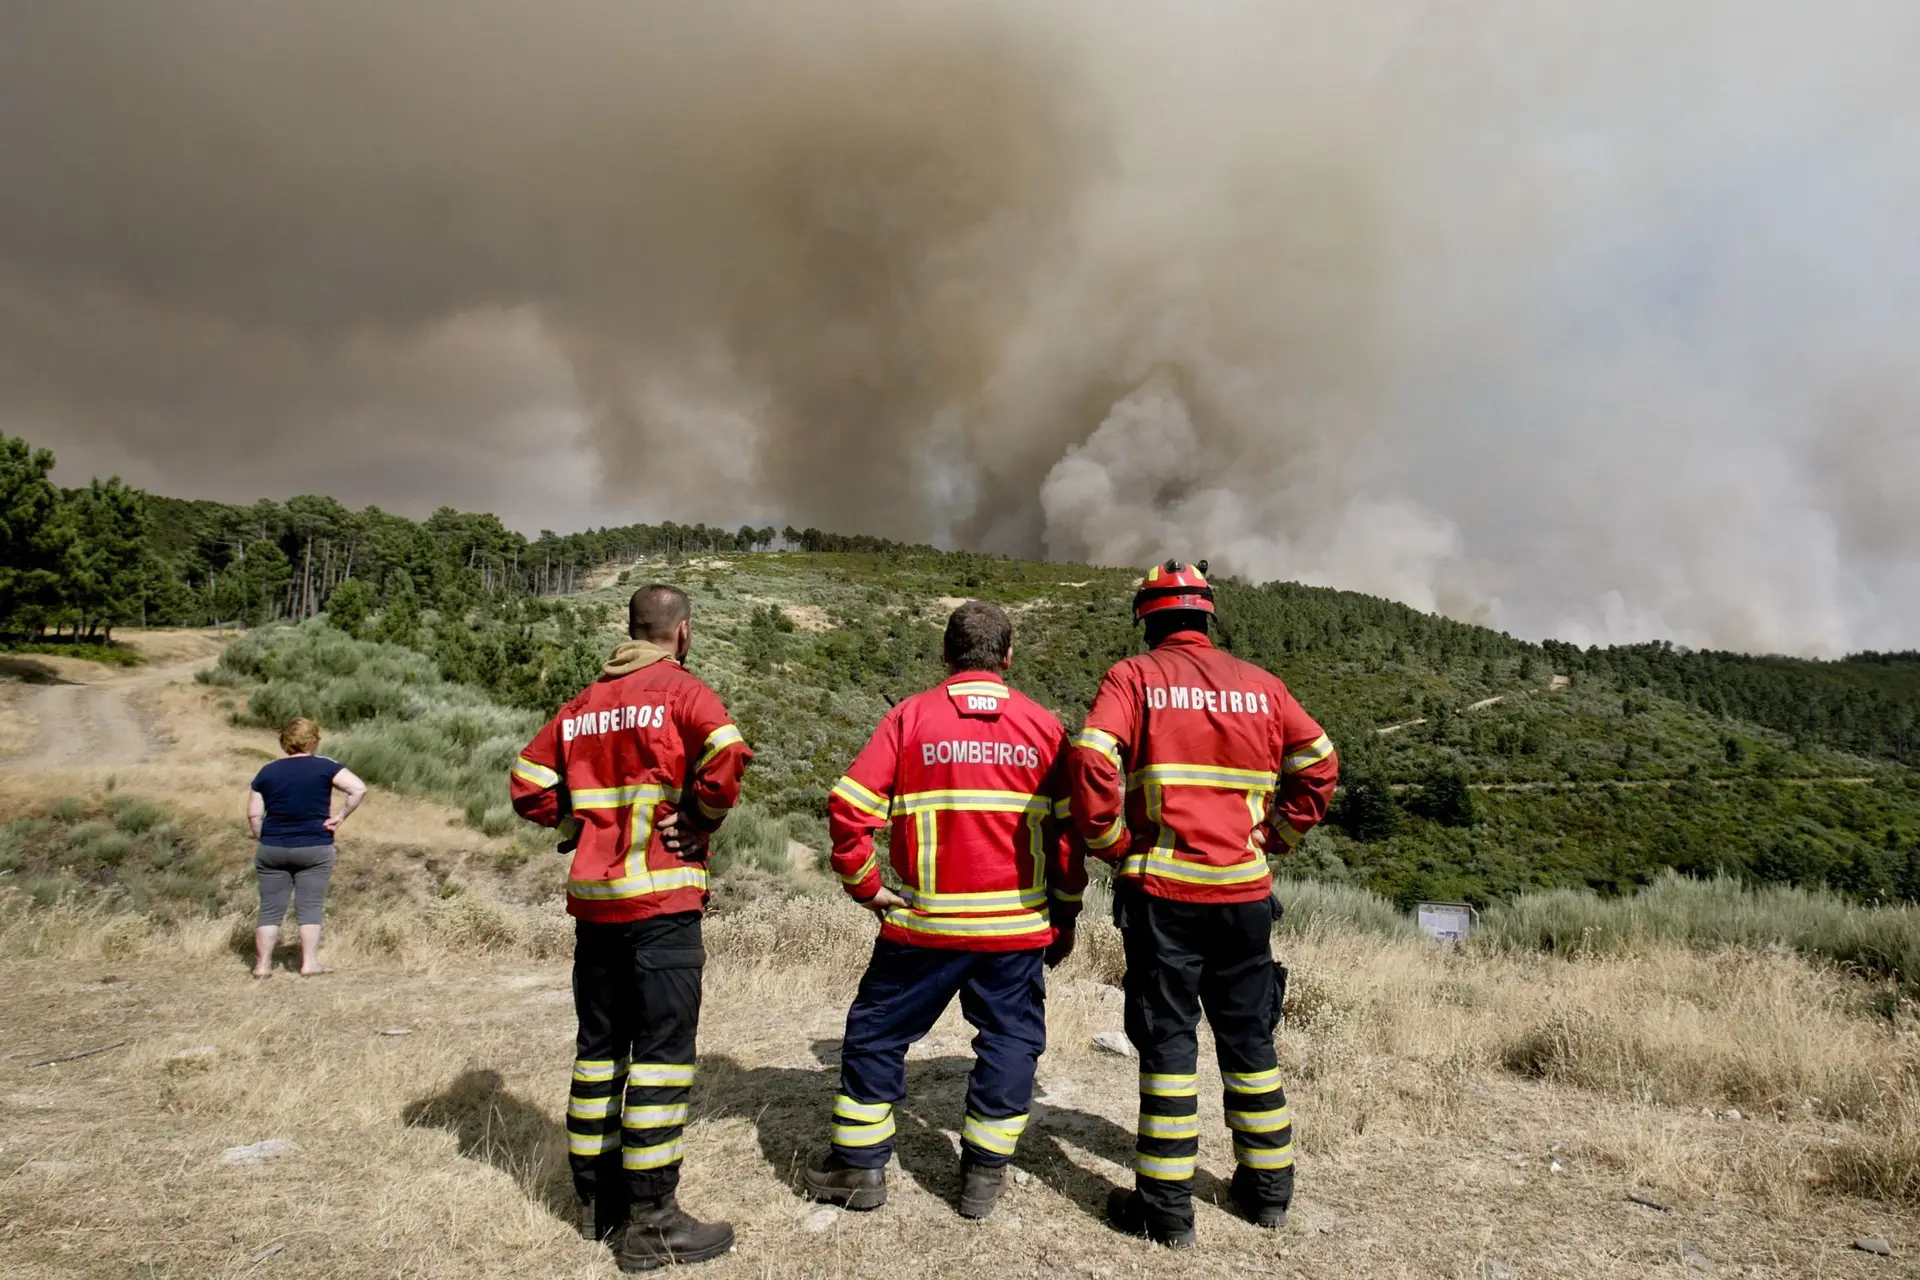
{"points": [[602, 1217], [980, 1187], [659, 1232], [835, 1181], [1255, 1209], [1127, 1212]]}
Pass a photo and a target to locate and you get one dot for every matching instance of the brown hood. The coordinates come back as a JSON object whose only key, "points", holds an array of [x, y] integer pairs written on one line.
{"points": [[630, 656]]}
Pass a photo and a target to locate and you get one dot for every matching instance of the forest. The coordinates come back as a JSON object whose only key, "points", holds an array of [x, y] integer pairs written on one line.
{"points": [[1474, 765]]}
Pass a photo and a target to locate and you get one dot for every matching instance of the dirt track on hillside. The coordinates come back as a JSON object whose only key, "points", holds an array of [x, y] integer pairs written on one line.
{"points": [[84, 715]]}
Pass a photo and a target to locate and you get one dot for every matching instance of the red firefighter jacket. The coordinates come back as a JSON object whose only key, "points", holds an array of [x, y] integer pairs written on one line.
{"points": [[1188, 758], [625, 753], [972, 777]]}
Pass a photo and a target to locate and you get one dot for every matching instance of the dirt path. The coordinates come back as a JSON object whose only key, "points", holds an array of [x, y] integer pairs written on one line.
{"points": [[86, 718]]}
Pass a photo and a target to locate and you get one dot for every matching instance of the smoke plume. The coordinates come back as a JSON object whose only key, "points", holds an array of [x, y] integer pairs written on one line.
{"points": [[1597, 321]]}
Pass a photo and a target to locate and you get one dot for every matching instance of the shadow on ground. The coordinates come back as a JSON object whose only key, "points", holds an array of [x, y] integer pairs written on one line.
{"points": [[28, 670], [789, 1108]]}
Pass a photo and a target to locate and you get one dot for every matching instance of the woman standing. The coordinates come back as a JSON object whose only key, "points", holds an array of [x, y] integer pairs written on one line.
{"points": [[290, 811]]}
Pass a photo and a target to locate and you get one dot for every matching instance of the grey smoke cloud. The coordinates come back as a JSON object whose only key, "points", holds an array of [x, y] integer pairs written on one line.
{"points": [[1595, 321]]}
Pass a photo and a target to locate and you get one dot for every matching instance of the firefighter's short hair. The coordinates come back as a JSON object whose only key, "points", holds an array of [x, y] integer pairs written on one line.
{"points": [[978, 637], [656, 611], [301, 734]]}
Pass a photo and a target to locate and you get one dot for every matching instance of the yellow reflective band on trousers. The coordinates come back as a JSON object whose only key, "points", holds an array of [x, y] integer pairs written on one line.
{"points": [[717, 741], [1169, 1126], [660, 1074], [845, 1108], [1161, 1085], [1100, 742], [862, 1135], [589, 1070], [998, 1136], [1165, 1168], [593, 1108], [538, 774], [1308, 756], [1251, 1081], [654, 1117], [1264, 1157], [592, 1144], [1259, 1121], [658, 1156]]}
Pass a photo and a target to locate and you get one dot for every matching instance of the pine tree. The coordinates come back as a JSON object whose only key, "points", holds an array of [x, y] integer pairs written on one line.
{"points": [[105, 581], [32, 537]]}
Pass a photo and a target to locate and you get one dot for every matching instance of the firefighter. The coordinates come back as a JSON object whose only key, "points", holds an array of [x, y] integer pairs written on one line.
{"points": [[1190, 761], [640, 768], [971, 775]]}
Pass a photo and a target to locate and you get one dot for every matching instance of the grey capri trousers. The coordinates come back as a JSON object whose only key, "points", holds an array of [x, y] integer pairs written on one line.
{"points": [[300, 874]]}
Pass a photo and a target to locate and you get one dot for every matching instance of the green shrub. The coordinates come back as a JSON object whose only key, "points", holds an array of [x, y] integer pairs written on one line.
{"points": [[1316, 906], [66, 809], [134, 815], [751, 838]]}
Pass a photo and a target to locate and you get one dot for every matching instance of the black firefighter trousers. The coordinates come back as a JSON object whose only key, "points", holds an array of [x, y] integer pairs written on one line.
{"points": [[1183, 958], [636, 990]]}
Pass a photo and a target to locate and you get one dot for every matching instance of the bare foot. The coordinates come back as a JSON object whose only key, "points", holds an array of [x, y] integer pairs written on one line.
{"points": [[262, 973]]}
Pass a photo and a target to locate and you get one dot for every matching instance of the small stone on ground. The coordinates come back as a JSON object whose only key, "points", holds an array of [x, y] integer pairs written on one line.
{"points": [[1114, 1042], [1875, 1245], [1694, 1259], [822, 1219], [255, 1152]]}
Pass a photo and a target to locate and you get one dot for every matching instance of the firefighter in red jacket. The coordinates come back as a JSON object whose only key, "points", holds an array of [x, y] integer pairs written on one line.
{"points": [[643, 766], [1190, 761], [972, 778]]}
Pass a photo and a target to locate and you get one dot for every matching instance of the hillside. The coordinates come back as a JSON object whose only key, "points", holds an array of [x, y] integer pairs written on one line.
{"points": [[1475, 765]]}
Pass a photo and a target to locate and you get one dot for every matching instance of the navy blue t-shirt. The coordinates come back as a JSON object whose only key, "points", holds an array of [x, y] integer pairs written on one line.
{"points": [[299, 795]]}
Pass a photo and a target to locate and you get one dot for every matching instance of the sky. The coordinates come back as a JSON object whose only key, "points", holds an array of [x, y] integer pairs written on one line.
{"points": [[1599, 322]]}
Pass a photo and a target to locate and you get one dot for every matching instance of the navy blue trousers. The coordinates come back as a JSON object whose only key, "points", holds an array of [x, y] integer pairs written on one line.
{"points": [[905, 990]]}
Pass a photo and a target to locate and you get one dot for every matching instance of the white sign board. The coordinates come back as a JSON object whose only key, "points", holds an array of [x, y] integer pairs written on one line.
{"points": [[1445, 921]]}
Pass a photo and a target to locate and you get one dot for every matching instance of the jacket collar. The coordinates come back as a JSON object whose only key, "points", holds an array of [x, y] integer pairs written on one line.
{"points": [[994, 680], [1186, 640]]}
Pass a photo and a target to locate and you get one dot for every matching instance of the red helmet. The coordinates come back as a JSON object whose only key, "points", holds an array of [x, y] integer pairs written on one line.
{"points": [[1172, 585]]}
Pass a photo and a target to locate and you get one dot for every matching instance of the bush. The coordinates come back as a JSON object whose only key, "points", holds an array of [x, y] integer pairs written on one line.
{"points": [[1314, 906], [751, 837]]}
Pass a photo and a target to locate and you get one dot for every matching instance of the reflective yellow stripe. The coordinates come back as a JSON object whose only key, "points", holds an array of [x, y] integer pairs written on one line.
{"points": [[1165, 1168], [1251, 1081], [860, 798], [862, 1135], [711, 813], [654, 1117], [937, 904], [717, 741], [592, 1144], [998, 1136], [662, 881], [845, 1108], [538, 774], [1159, 1085], [1061, 895], [1198, 775], [1289, 835], [1308, 756], [1155, 862], [618, 797], [1169, 1126], [658, 1156], [1063, 808], [979, 689], [867, 868], [593, 1108], [1101, 742], [1264, 1157], [972, 802], [1007, 926], [589, 1070], [1259, 1121], [660, 1074], [1110, 837]]}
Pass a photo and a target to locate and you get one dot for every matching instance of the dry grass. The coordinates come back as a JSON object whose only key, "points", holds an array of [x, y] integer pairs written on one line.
{"points": [[438, 1152]]}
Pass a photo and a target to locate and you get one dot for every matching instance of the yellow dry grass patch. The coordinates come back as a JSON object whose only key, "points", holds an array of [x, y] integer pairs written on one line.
{"points": [[439, 1151]]}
